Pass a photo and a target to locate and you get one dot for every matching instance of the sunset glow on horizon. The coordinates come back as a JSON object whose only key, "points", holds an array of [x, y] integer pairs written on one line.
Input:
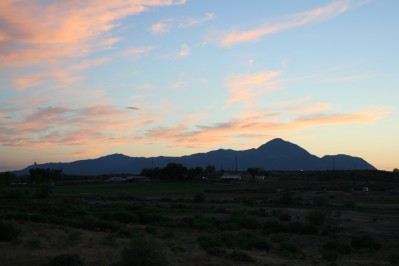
{"points": [[83, 79]]}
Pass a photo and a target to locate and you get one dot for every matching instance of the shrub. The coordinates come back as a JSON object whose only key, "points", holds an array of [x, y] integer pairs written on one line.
{"points": [[331, 255], [336, 246], [316, 217], [241, 257], [320, 202], [34, 243], [349, 204], [364, 241], [285, 217], [143, 252], [8, 232], [199, 197], [16, 193], [65, 260], [44, 191], [286, 199], [290, 250]]}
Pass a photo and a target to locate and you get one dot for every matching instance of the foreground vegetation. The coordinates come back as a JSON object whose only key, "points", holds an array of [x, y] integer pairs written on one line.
{"points": [[315, 218]]}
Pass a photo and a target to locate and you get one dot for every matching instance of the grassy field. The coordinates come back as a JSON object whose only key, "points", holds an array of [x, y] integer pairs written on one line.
{"points": [[288, 219], [135, 188]]}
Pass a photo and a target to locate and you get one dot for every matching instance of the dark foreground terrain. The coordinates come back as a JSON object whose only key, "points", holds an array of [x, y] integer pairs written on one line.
{"points": [[314, 218]]}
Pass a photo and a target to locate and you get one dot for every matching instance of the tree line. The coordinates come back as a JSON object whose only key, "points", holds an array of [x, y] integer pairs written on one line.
{"points": [[177, 171]]}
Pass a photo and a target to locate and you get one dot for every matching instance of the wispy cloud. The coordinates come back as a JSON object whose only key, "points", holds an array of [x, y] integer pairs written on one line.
{"points": [[167, 25], [64, 76], [184, 50], [161, 27], [178, 85], [88, 153], [312, 16], [245, 87], [256, 125], [134, 108], [192, 22], [351, 78], [140, 50], [84, 126]]}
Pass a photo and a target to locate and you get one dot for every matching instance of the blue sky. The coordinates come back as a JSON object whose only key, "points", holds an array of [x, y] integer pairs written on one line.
{"points": [[147, 78]]}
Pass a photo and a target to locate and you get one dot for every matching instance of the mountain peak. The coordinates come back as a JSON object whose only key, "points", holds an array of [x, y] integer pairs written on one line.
{"points": [[281, 147], [274, 142]]}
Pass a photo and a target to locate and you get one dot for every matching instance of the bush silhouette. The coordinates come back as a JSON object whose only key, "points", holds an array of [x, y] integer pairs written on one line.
{"points": [[8, 232], [143, 252], [65, 260]]}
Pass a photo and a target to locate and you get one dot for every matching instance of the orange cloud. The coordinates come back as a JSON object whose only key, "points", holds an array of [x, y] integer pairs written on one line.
{"points": [[312, 16], [62, 76], [246, 87], [257, 126], [68, 126], [312, 108], [50, 32]]}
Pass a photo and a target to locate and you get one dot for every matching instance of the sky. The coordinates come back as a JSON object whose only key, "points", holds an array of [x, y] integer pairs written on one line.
{"points": [[83, 79]]}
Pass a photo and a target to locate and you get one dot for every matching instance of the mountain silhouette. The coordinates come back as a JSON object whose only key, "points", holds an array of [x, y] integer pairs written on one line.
{"points": [[276, 154]]}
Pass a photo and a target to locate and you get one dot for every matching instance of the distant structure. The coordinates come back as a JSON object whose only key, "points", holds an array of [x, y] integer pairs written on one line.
{"points": [[229, 176]]}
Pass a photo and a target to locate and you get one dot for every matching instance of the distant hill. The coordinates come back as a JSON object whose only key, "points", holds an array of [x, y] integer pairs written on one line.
{"points": [[276, 154]]}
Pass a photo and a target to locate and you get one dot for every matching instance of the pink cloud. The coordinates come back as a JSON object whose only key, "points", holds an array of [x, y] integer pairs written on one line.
{"points": [[64, 75], [50, 32], [248, 86], [184, 50], [312, 16], [257, 125], [140, 50], [88, 153], [52, 126]]}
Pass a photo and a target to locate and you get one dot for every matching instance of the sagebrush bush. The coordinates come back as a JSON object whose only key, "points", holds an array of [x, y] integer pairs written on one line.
{"points": [[8, 232], [143, 252], [364, 241], [65, 260], [316, 217]]}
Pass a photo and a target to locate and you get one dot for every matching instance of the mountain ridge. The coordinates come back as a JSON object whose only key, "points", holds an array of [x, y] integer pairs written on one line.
{"points": [[277, 154]]}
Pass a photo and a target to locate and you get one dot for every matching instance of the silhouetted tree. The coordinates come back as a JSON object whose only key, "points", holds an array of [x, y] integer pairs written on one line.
{"points": [[196, 172], [210, 169], [175, 171], [253, 171], [42, 179], [6, 178]]}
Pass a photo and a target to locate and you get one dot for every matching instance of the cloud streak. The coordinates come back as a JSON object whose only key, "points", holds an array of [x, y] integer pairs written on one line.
{"points": [[51, 126], [312, 16], [254, 125]]}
